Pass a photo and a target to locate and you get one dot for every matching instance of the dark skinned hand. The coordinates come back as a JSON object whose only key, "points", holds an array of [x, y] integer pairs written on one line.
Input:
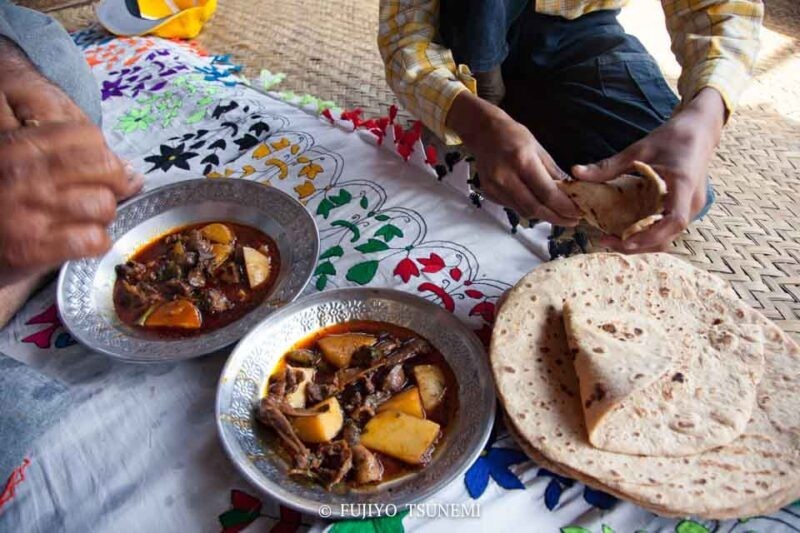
{"points": [[680, 151]]}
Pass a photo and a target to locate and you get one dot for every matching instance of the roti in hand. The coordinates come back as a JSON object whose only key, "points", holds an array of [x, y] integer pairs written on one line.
{"points": [[623, 206]]}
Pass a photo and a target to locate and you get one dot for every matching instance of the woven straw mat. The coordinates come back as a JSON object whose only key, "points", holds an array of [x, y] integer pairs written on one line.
{"points": [[752, 235]]}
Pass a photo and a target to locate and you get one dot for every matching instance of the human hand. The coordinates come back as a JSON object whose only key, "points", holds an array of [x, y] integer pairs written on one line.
{"points": [[679, 151], [59, 182], [59, 185], [515, 171]]}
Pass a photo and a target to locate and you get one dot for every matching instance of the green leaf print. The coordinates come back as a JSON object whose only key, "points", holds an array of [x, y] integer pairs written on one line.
{"points": [[352, 227], [608, 529], [372, 245], [333, 251], [690, 526], [135, 119], [325, 268], [389, 232], [324, 208], [385, 524], [364, 203], [362, 273], [342, 198], [322, 282], [197, 116], [574, 529], [382, 218]]}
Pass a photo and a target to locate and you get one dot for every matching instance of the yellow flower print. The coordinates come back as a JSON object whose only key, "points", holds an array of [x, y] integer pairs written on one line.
{"points": [[261, 151], [311, 170], [281, 144], [247, 170], [284, 169], [305, 189]]}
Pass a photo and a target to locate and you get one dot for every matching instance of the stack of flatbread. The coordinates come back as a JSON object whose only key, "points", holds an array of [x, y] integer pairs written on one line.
{"points": [[649, 379]]}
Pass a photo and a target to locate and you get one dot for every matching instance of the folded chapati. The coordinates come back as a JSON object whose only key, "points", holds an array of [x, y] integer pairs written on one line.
{"points": [[667, 379], [623, 206], [533, 365]]}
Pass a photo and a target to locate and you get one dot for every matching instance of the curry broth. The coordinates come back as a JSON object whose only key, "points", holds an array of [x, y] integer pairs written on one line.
{"points": [[158, 248], [443, 414]]}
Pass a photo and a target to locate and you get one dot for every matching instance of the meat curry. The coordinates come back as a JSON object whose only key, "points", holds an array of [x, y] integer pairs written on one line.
{"points": [[196, 279], [359, 403]]}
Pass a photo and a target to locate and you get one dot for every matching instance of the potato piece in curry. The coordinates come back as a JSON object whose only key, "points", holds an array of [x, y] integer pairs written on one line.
{"points": [[347, 404]]}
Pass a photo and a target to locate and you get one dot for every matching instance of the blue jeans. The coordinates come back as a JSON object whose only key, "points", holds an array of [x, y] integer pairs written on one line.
{"points": [[584, 87]]}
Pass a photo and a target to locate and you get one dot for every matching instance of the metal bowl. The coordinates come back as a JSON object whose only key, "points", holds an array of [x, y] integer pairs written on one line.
{"points": [[253, 448], [85, 287]]}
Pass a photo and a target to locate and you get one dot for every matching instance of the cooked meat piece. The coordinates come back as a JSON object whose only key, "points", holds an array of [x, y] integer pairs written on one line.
{"points": [[363, 412], [293, 379], [366, 409], [367, 467], [412, 348], [169, 270], [131, 271], [178, 287], [366, 356], [188, 260], [196, 242], [215, 301], [336, 460], [351, 399], [270, 414], [317, 392], [196, 278], [351, 432], [277, 388], [302, 357], [288, 410], [229, 273], [139, 296], [394, 380]]}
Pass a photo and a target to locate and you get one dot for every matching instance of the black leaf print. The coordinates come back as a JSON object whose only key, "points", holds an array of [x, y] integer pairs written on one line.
{"points": [[246, 109], [259, 128], [188, 136], [246, 142], [222, 109], [211, 159], [232, 126], [451, 158], [219, 143], [196, 145], [207, 170], [201, 133]]}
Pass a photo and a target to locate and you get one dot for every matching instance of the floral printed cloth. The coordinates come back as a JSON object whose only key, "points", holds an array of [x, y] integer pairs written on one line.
{"points": [[106, 446]]}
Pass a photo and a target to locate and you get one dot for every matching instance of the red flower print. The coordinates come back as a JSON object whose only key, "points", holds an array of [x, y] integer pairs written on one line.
{"points": [[485, 310], [246, 509], [406, 269], [392, 113], [431, 157], [472, 293], [433, 264], [455, 273], [447, 300], [327, 114], [289, 522]]}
